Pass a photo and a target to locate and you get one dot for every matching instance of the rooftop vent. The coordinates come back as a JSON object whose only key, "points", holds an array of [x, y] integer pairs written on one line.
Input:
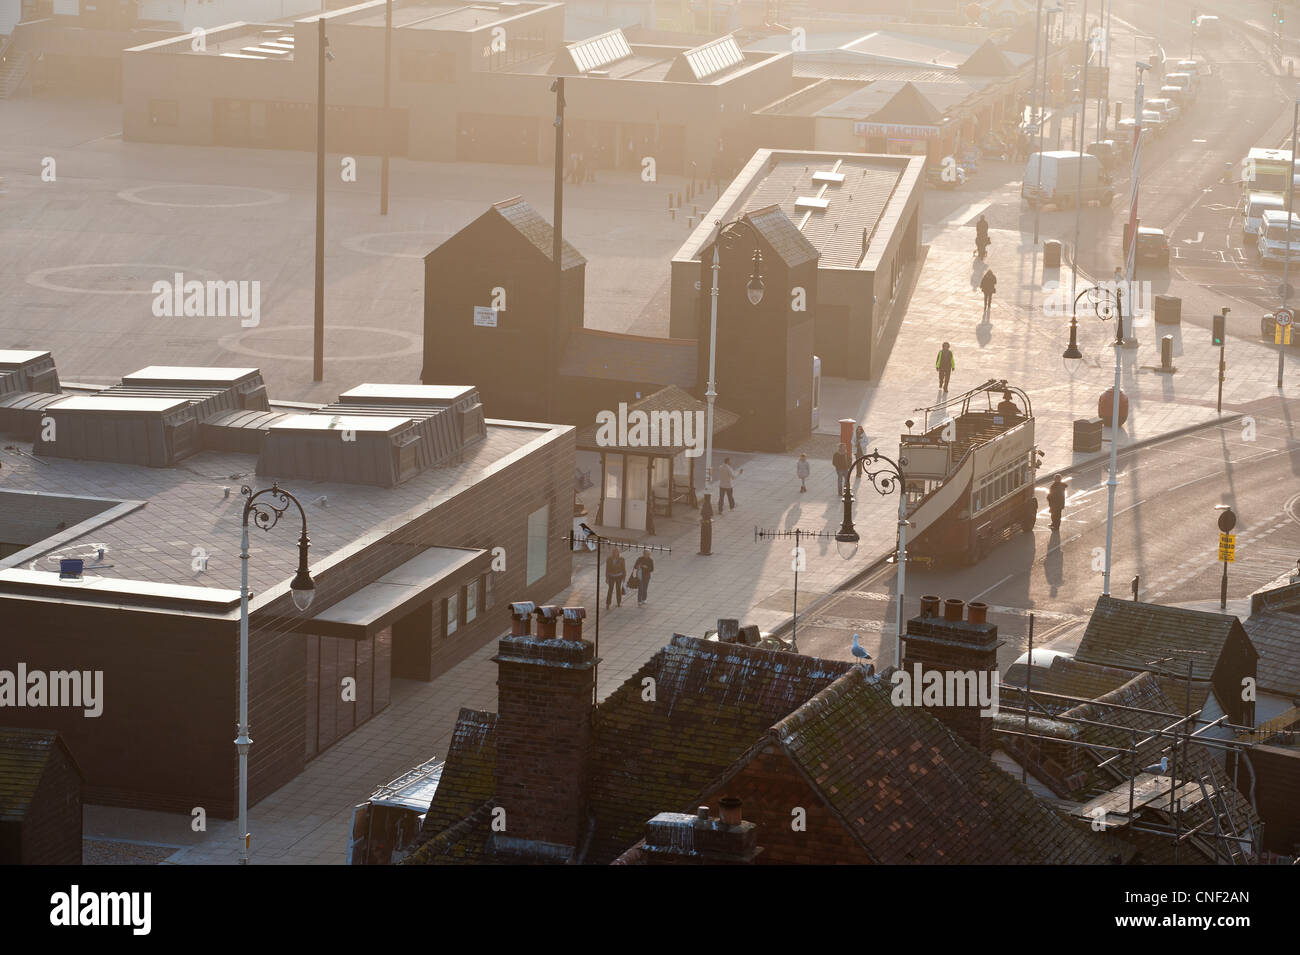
{"points": [[811, 202], [22, 370], [128, 429]]}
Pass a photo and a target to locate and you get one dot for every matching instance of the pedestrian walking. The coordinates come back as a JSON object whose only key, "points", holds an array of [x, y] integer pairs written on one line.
{"points": [[641, 571], [988, 285], [1056, 500], [945, 363], [615, 572], [841, 460], [802, 470], [981, 236], [860, 442], [726, 480]]}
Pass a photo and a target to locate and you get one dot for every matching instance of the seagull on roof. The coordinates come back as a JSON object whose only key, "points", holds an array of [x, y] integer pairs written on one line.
{"points": [[858, 650], [1160, 768]]}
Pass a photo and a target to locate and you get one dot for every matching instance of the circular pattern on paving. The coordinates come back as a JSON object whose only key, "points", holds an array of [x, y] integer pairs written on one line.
{"points": [[239, 343], [203, 196], [397, 245], [133, 278]]}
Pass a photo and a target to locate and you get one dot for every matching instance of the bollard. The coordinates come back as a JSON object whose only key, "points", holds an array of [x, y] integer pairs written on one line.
{"points": [[672, 213], [670, 200], [679, 199], [1167, 354], [690, 222]]}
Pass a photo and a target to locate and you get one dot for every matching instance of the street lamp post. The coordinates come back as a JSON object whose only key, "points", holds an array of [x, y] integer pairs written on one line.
{"points": [[1286, 258], [1083, 132], [1107, 303], [593, 541], [730, 233], [1042, 112], [318, 328], [886, 479], [266, 514]]}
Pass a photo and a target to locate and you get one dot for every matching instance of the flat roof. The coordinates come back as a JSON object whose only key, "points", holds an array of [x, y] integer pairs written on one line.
{"points": [[855, 205], [374, 606], [189, 374], [14, 356], [125, 403], [96, 589], [442, 394], [198, 505], [457, 17], [337, 422]]}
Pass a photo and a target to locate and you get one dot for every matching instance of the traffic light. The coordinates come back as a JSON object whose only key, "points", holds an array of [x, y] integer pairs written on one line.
{"points": [[1217, 334], [1195, 18]]}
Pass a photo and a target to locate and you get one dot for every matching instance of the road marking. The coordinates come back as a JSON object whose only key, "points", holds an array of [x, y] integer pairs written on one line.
{"points": [[994, 587]]}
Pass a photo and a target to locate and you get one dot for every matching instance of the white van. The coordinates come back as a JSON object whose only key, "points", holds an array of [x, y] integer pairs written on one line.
{"points": [[1253, 207], [1273, 247], [1067, 177]]}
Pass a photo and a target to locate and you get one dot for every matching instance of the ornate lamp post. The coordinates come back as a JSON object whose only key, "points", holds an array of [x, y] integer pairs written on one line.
{"points": [[1107, 304], [266, 514], [886, 478], [729, 233]]}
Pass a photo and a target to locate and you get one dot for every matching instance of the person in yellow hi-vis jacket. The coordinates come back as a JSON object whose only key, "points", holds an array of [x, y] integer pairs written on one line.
{"points": [[945, 363]]}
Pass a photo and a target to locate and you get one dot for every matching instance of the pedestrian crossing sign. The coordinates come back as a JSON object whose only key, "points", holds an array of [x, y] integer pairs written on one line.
{"points": [[1227, 548]]}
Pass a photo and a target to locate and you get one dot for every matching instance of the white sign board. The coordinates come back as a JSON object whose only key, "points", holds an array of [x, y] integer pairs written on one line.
{"points": [[485, 317]]}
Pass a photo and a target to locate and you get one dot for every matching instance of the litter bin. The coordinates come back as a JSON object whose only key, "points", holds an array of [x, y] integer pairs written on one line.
{"points": [[1169, 309], [1087, 434], [1052, 255]]}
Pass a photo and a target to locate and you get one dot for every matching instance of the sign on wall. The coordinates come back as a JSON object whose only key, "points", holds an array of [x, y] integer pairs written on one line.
{"points": [[485, 316], [895, 130]]}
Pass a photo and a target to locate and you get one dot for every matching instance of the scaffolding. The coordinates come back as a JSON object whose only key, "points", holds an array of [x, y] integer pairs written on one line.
{"points": [[1180, 778]]}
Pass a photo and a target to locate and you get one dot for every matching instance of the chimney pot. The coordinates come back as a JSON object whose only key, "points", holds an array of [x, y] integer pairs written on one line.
{"points": [[520, 614], [977, 612], [728, 629], [929, 605], [573, 617], [702, 813], [730, 806], [547, 616], [952, 608]]}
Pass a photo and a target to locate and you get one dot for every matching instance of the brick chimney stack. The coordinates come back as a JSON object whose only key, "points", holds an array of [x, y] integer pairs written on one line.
{"points": [[545, 688], [676, 838], [949, 643]]}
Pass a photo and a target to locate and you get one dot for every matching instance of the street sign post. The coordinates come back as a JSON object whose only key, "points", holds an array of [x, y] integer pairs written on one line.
{"points": [[1228, 548]]}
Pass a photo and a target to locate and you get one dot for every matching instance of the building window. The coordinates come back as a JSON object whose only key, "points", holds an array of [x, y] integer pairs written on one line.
{"points": [[470, 599], [164, 112], [450, 614], [538, 522]]}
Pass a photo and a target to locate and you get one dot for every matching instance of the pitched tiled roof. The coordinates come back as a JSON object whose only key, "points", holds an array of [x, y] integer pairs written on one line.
{"points": [[1130, 635], [911, 791], [469, 776], [1086, 681], [464, 842], [24, 754], [783, 236], [536, 230], [1277, 638], [712, 702]]}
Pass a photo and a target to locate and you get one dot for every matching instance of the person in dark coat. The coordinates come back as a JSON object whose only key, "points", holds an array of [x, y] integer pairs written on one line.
{"points": [[1056, 500], [842, 460], [643, 568], [988, 285], [945, 362], [615, 572]]}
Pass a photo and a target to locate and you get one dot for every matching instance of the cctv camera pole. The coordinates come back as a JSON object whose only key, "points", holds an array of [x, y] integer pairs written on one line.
{"points": [[388, 119], [710, 394], [318, 329], [1082, 120]]}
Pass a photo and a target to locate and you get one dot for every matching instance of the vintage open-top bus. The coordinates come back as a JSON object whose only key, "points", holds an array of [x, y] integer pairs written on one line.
{"points": [[970, 473]]}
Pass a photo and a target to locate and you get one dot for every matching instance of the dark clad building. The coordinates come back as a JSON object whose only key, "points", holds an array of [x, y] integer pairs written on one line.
{"points": [[40, 799]]}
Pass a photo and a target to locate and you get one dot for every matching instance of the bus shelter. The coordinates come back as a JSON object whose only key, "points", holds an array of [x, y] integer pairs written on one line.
{"points": [[649, 451]]}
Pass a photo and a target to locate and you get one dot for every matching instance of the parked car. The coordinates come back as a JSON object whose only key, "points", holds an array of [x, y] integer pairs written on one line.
{"points": [[1268, 330], [1152, 246], [1176, 95], [1155, 121], [1208, 24], [1195, 66], [1167, 108], [1109, 152], [1185, 80]]}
